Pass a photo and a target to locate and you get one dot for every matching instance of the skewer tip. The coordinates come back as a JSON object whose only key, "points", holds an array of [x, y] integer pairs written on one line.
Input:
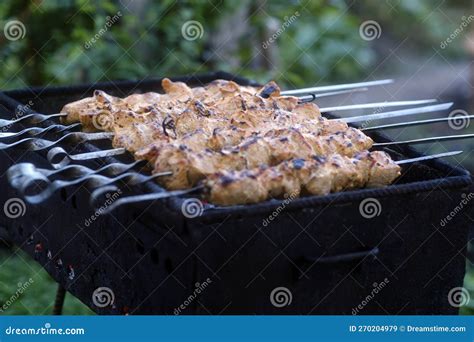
{"points": [[430, 157]]}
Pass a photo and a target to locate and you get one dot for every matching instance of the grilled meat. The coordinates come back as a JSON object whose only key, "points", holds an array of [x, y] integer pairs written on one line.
{"points": [[246, 144], [191, 165], [224, 97], [315, 176], [177, 94]]}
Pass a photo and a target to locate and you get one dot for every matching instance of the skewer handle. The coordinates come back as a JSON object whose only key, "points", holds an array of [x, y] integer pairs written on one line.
{"points": [[38, 144], [66, 158], [26, 178], [149, 197], [36, 131], [30, 119]]}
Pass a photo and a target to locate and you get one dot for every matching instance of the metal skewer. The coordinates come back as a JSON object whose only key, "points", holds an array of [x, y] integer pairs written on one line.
{"points": [[71, 171], [150, 197], [336, 87], [418, 122], [35, 131], [426, 140], [397, 113], [376, 105], [56, 152], [33, 177], [312, 97], [31, 119], [423, 158], [38, 144]]}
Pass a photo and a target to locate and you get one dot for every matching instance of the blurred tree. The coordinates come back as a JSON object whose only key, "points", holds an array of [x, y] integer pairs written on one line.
{"points": [[147, 40], [294, 42]]}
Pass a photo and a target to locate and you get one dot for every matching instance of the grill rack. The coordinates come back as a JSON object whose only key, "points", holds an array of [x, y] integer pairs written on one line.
{"points": [[194, 231]]}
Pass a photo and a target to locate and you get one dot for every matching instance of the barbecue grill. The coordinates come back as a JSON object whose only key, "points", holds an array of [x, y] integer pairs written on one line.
{"points": [[310, 255]]}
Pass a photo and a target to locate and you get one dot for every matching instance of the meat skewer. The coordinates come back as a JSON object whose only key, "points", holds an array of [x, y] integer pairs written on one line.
{"points": [[36, 118], [177, 93], [190, 166], [157, 196], [58, 152], [137, 135], [314, 176], [38, 131], [84, 110], [405, 112]]}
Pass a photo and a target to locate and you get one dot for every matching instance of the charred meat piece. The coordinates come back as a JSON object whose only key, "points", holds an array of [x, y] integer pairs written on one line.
{"points": [[293, 178]]}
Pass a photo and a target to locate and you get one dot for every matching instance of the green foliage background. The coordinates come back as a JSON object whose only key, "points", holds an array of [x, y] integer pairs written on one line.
{"points": [[323, 44]]}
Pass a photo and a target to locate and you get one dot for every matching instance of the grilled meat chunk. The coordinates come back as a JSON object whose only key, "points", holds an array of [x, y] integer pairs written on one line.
{"points": [[315, 176]]}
